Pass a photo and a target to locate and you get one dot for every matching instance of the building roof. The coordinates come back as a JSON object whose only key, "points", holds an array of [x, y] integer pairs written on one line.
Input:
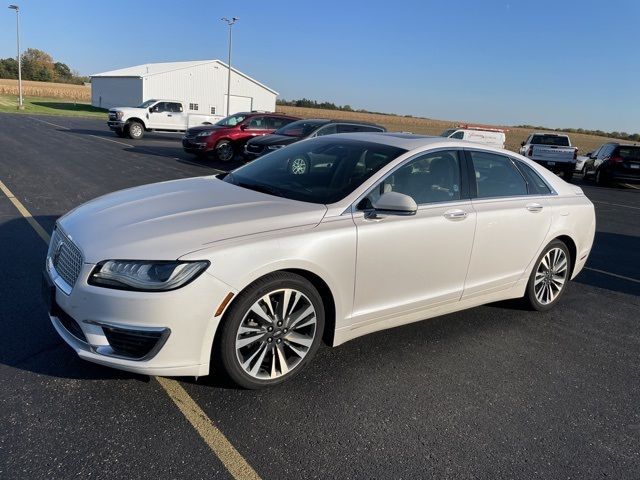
{"points": [[149, 69]]}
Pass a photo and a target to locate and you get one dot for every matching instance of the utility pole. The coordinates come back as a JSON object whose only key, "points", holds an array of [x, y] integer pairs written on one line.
{"points": [[17, 9], [230, 23]]}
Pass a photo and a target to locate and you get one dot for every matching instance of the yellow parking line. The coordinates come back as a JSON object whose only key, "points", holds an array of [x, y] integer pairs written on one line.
{"points": [[218, 443], [25, 213], [233, 461]]}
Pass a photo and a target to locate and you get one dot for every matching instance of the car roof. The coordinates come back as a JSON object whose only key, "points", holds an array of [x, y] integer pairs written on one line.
{"points": [[407, 141]]}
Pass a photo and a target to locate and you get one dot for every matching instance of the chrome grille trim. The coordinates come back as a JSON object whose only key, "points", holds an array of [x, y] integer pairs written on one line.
{"points": [[65, 259]]}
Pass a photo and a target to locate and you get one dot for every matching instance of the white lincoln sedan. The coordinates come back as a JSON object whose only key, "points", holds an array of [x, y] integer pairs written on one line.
{"points": [[330, 238]]}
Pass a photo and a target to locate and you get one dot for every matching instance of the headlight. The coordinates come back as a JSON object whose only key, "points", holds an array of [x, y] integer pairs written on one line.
{"points": [[119, 115], [145, 275], [274, 147], [203, 134]]}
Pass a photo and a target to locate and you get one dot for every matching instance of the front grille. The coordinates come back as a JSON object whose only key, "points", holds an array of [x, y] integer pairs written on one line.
{"points": [[113, 116], [68, 323], [66, 257], [133, 344], [254, 148]]}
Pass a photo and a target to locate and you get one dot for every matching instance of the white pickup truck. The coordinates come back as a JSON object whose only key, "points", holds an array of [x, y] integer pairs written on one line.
{"points": [[163, 115], [552, 151]]}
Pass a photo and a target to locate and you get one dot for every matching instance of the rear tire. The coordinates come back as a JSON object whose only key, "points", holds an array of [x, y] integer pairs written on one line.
{"points": [[135, 130], [263, 344], [549, 278]]}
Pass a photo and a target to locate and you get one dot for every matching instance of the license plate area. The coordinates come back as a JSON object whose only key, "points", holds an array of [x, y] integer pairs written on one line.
{"points": [[551, 164]]}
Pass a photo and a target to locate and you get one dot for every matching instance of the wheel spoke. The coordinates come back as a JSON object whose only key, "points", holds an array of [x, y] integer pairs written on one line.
{"points": [[284, 367], [257, 309], [284, 307], [267, 300], [294, 348], [258, 364], [244, 341], [299, 339], [301, 316]]}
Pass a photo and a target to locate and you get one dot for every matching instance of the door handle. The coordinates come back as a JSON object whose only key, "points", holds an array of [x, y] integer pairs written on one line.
{"points": [[455, 214], [534, 207], [169, 115]]}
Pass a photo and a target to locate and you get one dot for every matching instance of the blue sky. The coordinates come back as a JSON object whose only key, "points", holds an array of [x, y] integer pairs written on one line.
{"points": [[556, 63]]}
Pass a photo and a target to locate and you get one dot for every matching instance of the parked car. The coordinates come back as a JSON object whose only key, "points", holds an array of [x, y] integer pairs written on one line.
{"points": [[162, 115], [581, 160], [302, 129], [486, 135], [228, 136], [249, 269], [614, 162], [553, 151]]}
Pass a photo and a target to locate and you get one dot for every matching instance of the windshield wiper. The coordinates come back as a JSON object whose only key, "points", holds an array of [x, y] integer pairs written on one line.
{"points": [[260, 188]]}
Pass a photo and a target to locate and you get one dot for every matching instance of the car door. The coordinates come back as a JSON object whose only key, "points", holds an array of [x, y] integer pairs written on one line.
{"points": [[513, 220], [159, 116], [255, 127], [176, 118], [411, 263]]}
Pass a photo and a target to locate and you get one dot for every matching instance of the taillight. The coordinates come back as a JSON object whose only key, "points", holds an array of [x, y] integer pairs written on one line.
{"points": [[616, 159], [530, 152]]}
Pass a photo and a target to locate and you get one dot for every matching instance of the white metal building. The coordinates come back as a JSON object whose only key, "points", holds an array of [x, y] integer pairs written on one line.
{"points": [[201, 85]]}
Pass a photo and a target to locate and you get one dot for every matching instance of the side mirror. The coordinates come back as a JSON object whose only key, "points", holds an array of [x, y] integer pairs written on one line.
{"points": [[522, 144], [244, 127], [150, 109], [396, 203]]}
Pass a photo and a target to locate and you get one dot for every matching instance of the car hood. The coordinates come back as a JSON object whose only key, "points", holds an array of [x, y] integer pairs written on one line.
{"points": [[205, 128], [274, 140], [164, 221], [130, 110]]}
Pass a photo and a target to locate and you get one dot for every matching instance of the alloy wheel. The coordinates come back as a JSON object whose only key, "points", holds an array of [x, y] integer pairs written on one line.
{"points": [[276, 334], [551, 276], [224, 150], [298, 166]]}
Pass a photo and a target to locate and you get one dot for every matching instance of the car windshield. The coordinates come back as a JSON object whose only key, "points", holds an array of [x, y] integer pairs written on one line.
{"points": [[321, 170], [231, 120], [447, 133], [147, 104], [557, 140], [298, 129]]}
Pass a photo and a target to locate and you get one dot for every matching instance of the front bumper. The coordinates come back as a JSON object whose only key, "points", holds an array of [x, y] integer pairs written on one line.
{"points": [[179, 325], [194, 145], [115, 124]]}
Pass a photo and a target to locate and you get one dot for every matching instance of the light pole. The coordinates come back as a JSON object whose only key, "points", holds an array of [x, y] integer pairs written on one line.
{"points": [[17, 9], [230, 23]]}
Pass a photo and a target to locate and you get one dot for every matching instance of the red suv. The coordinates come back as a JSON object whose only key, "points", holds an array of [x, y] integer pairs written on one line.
{"points": [[229, 135]]}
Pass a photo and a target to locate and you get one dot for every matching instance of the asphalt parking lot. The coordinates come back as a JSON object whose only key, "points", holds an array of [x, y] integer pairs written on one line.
{"points": [[492, 392]]}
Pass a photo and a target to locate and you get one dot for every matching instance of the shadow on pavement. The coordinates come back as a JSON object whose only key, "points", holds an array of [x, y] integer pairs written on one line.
{"points": [[28, 341]]}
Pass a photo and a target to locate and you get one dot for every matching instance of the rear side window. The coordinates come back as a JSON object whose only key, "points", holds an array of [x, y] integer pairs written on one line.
{"points": [[537, 186], [556, 140], [459, 135], [327, 130], [628, 153], [276, 122], [497, 176]]}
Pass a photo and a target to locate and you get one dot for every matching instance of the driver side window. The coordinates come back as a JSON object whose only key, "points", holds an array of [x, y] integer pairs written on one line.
{"points": [[431, 178], [159, 107]]}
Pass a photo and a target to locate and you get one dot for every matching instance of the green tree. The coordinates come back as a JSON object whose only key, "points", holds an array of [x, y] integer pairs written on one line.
{"points": [[37, 65], [8, 68], [62, 72]]}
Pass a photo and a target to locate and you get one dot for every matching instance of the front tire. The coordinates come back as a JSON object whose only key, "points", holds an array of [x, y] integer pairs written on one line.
{"points": [[224, 151], [549, 277], [271, 331], [135, 130], [601, 178]]}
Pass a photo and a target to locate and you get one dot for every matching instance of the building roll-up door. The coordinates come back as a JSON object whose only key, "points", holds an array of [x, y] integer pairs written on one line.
{"points": [[238, 104]]}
